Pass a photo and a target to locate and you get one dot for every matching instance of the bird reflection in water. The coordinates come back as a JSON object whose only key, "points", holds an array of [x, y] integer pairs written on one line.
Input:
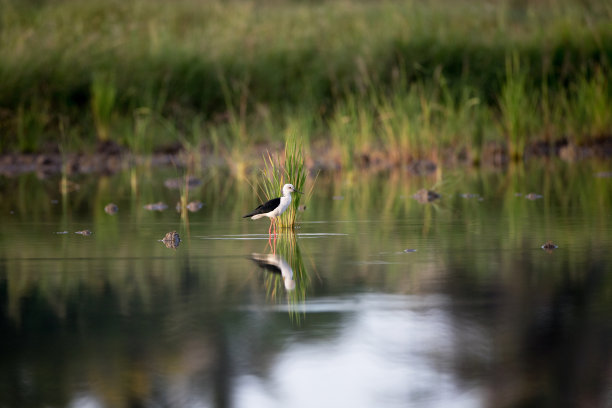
{"points": [[275, 264], [284, 260]]}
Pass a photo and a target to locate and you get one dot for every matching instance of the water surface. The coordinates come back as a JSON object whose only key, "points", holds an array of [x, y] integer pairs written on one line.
{"points": [[375, 300]]}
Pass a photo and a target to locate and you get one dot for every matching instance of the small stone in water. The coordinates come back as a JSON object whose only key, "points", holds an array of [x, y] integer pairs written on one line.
{"points": [[67, 186], [159, 206], [84, 232], [533, 196], [176, 183], [111, 209], [549, 246], [195, 206], [171, 240], [424, 196]]}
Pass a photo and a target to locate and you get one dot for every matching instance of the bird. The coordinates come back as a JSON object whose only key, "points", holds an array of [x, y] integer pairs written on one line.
{"points": [[277, 265], [274, 207]]}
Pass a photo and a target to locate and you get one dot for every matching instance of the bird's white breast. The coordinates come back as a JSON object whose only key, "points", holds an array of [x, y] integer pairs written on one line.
{"points": [[284, 204]]}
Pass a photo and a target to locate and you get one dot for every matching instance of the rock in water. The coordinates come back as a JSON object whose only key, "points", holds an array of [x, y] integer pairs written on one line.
{"points": [[424, 196], [159, 206], [111, 209], [171, 240], [549, 246]]}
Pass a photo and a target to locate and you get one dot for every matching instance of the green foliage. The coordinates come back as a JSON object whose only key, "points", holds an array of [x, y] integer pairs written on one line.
{"points": [[136, 139], [292, 171], [591, 113], [103, 98], [517, 108], [31, 125], [407, 78]]}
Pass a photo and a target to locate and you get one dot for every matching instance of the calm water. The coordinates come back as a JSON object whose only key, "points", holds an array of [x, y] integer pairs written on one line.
{"points": [[375, 301]]}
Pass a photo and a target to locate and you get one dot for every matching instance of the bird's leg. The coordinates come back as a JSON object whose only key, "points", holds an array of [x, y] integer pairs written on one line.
{"points": [[274, 245]]}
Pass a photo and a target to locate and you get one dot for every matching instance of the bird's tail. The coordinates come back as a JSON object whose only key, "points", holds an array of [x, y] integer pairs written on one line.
{"points": [[255, 215]]}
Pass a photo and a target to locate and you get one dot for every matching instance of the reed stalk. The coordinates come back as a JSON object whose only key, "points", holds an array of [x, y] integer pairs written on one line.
{"points": [[103, 100], [517, 108], [291, 171]]}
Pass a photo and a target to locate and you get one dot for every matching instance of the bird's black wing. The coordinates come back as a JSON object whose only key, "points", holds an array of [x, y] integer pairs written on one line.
{"points": [[264, 208]]}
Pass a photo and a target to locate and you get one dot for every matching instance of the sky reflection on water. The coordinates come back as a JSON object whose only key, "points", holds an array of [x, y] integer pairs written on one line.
{"points": [[385, 354]]}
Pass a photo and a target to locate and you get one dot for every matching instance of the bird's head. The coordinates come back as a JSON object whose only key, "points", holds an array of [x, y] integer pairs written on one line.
{"points": [[288, 189]]}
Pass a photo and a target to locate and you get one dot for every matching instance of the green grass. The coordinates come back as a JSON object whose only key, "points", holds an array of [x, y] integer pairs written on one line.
{"points": [[517, 108], [103, 99], [291, 170], [593, 106], [406, 78]]}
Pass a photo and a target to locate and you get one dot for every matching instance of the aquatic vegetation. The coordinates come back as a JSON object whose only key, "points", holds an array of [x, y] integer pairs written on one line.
{"points": [[291, 171]]}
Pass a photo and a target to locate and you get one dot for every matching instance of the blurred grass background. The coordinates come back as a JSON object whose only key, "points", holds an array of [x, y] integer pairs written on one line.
{"points": [[411, 79]]}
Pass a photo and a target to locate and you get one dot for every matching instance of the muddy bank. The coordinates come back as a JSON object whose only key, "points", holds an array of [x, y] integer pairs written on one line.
{"points": [[111, 158]]}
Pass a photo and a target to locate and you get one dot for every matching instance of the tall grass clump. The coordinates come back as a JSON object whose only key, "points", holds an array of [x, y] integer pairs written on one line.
{"points": [[591, 115], [460, 124], [31, 124], [352, 129], [516, 107], [275, 175], [136, 139], [398, 114], [103, 99]]}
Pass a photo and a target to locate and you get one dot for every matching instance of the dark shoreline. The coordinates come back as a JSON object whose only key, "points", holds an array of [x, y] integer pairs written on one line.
{"points": [[111, 158]]}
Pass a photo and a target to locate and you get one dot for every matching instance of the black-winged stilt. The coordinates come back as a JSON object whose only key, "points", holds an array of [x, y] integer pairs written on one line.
{"points": [[273, 208]]}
